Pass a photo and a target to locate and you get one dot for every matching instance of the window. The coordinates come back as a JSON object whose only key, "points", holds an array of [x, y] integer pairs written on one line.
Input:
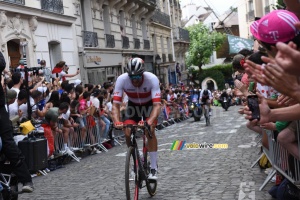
{"points": [[122, 23], [106, 19], [144, 29], [134, 31], [267, 3], [251, 6], [162, 44]]}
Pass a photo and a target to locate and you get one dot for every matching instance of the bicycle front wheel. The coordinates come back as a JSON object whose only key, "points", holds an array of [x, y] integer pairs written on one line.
{"points": [[131, 175]]}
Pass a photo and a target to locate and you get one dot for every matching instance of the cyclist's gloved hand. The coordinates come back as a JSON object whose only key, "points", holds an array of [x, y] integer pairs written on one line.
{"points": [[141, 123], [119, 125]]}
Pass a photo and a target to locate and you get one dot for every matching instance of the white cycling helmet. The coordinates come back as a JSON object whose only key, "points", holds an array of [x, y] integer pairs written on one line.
{"points": [[135, 66]]}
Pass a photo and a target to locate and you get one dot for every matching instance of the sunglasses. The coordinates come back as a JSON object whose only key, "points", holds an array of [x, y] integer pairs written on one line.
{"points": [[135, 77]]}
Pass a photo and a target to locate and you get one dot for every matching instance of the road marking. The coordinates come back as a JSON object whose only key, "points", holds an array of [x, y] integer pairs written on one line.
{"points": [[247, 191], [233, 131], [122, 154], [171, 136], [165, 144]]}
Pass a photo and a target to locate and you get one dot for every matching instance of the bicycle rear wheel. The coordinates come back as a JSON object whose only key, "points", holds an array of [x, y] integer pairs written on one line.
{"points": [[151, 184], [131, 175]]}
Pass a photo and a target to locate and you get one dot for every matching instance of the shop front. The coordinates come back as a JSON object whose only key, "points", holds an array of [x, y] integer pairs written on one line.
{"points": [[101, 67]]}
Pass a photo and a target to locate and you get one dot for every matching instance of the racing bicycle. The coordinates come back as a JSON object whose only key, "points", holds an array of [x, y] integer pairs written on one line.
{"points": [[137, 166]]}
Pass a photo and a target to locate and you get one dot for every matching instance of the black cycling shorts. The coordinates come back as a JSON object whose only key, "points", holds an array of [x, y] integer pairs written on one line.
{"points": [[135, 113]]}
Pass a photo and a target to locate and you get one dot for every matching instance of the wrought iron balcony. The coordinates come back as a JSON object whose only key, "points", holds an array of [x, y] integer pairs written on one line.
{"points": [[146, 44], [125, 42], [53, 6], [110, 40], [181, 34], [267, 10], [164, 58], [137, 43], [22, 2], [251, 16], [161, 18], [90, 39], [170, 57], [152, 1]]}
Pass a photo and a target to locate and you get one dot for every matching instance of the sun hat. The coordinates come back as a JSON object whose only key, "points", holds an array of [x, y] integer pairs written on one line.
{"points": [[277, 26]]}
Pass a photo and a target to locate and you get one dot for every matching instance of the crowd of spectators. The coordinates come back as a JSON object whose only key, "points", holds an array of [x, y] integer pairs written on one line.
{"points": [[62, 106], [270, 72]]}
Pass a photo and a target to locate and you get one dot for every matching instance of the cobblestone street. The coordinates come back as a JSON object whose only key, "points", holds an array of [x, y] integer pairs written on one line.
{"points": [[183, 175]]}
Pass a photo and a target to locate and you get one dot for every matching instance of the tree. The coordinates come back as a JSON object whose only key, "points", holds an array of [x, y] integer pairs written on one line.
{"points": [[202, 44], [279, 5]]}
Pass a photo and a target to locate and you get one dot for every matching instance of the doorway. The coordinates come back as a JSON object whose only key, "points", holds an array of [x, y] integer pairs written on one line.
{"points": [[55, 53], [210, 85], [14, 55]]}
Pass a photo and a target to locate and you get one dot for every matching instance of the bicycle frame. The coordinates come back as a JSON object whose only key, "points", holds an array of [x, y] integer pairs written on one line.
{"points": [[137, 159]]}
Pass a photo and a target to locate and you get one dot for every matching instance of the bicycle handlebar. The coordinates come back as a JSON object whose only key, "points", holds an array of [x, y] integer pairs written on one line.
{"points": [[146, 126]]}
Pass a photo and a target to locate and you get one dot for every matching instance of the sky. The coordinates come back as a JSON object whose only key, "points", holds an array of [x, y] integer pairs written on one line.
{"points": [[219, 6]]}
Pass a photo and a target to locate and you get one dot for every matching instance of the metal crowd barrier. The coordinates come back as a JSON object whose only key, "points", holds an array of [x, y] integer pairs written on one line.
{"points": [[89, 136], [174, 117], [281, 160]]}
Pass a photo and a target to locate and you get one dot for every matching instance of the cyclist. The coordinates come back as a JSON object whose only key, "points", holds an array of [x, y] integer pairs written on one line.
{"points": [[206, 98], [144, 103]]}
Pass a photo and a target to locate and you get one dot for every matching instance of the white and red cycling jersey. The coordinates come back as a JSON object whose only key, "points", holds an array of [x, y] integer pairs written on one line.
{"points": [[147, 92]]}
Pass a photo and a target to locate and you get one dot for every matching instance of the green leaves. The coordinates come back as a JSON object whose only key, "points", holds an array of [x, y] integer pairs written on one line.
{"points": [[202, 44]]}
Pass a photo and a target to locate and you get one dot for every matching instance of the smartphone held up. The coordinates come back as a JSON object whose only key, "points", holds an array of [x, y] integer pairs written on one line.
{"points": [[253, 105]]}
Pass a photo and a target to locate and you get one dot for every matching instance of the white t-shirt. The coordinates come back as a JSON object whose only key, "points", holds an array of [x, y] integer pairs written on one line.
{"points": [[60, 74], [13, 109], [109, 106], [67, 115], [23, 107], [16, 89], [95, 102]]}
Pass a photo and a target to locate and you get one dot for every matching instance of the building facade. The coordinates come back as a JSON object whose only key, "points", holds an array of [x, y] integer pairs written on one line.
{"points": [[251, 9], [97, 36], [112, 32], [40, 29]]}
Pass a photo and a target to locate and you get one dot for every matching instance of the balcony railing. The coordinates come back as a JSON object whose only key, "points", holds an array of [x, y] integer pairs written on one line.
{"points": [[137, 43], [53, 6], [181, 34], [267, 10], [146, 44], [161, 18], [110, 41], [90, 39], [164, 58], [251, 16], [125, 42], [170, 57], [152, 1], [22, 2]]}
